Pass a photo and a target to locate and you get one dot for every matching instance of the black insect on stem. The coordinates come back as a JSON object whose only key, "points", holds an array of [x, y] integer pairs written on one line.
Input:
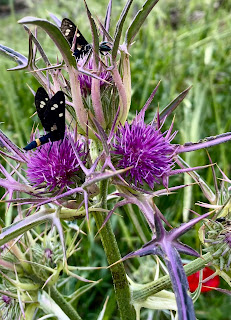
{"points": [[51, 113], [75, 38]]}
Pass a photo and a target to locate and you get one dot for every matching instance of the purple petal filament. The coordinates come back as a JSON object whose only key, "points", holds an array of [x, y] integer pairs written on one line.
{"points": [[146, 149], [54, 164]]}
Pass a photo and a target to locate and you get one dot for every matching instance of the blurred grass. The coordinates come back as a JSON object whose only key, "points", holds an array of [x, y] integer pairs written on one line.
{"points": [[182, 43]]}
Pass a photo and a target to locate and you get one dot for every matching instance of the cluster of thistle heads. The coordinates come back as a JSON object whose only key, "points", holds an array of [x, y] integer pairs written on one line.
{"points": [[87, 141]]}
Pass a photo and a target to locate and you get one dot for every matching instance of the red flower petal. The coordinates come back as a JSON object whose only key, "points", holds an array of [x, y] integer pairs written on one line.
{"points": [[193, 280]]}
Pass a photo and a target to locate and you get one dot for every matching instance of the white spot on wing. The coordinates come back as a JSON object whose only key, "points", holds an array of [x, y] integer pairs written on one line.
{"points": [[61, 102], [67, 31], [61, 115], [42, 104], [54, 127]]}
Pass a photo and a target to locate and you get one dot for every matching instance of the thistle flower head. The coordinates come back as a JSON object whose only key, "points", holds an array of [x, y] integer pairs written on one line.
{"points": [[9, 308], [217, 237], [146, 149], [54, 164], [85, 80], [41, 259]]}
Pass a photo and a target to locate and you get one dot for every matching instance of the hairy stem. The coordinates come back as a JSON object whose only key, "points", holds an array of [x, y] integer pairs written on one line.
{"points": [[164, 282], [121, 286], [62, 303]]}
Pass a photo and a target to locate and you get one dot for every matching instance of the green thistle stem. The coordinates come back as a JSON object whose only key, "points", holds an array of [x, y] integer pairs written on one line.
{"points": [[62, 303], [164, 282], [122, 291]]}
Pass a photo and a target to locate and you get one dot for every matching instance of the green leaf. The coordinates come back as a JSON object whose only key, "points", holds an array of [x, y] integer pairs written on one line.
{"points": [[15, 56], [56, 35], [108, 16], [174, 103], [95, 86], [50, 307], [23, 62], [159, 301], [119, 28], [94, 31], [106, 35], [79, 292], [200, 181], [138, 21], [38, 46], [18, 228]]}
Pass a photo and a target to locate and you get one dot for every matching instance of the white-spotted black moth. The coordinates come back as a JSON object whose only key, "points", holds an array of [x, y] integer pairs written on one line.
{"points": [[81, 47], [51, 113]]}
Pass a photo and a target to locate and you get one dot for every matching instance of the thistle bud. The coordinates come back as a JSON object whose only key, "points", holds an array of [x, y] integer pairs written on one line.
{"points": [[217, 238]]}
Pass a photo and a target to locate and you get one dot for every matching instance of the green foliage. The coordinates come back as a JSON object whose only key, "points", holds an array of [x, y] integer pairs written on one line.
{"points": [[182, 43]]}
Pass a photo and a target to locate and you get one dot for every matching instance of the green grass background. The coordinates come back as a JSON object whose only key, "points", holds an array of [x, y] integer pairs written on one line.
{"points": [[182, 43]]}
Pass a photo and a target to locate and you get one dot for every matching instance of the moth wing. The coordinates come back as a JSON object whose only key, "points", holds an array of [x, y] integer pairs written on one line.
{"points": [[54, 118], [41, 103], [68, 29]]}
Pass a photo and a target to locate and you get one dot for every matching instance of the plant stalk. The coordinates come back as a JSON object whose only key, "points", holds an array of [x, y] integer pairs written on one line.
{"points": [[164, 282], [62, 303], [121, 285]]}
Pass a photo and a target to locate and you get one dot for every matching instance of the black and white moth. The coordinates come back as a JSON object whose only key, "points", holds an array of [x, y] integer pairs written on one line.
{"points": [[51, 113], [81, 46]]}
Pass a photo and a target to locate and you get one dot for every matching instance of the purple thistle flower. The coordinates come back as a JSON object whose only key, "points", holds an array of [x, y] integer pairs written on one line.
{"points": [[54, 164], [146, 149], [85, 80]]}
